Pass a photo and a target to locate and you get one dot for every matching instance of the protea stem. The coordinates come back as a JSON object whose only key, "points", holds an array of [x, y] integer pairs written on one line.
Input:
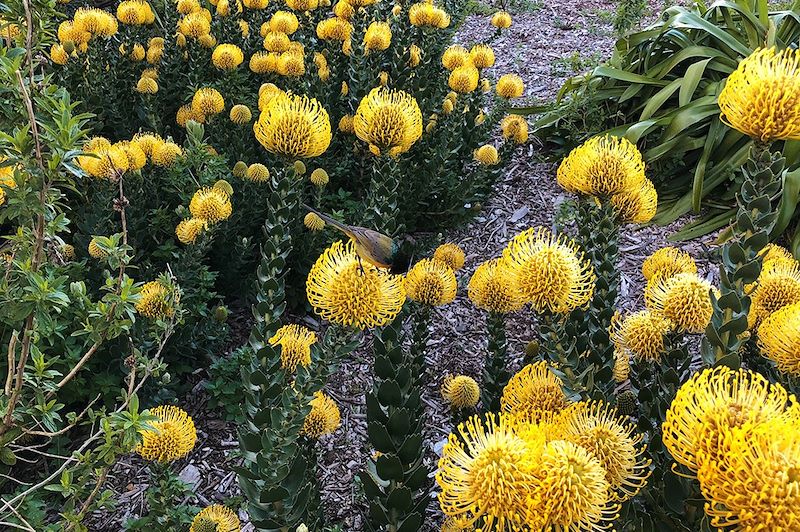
{"points": [[382, 207], [495, 373], [741, 262]]}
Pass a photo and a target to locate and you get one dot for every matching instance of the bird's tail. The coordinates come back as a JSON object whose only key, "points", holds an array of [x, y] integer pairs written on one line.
{"points": [[336, 223]]}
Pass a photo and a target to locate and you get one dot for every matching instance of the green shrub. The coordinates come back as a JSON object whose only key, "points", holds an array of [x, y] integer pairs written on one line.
{"points": [[660, 88], [225, 383]]}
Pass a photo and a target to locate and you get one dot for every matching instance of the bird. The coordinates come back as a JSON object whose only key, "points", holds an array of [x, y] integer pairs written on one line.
{"points": [[374, 247]]}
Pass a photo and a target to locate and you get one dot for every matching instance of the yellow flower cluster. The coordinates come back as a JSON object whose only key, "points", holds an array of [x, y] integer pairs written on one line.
{"points": [[641, 335], [227, 56], [171, 437], [667, 262], [377, 37], [105, 160], [208, 206], [683, 299], [562, 471], [514, 128], [739, 435], [295, 342], [779, 339], [6, 179]]}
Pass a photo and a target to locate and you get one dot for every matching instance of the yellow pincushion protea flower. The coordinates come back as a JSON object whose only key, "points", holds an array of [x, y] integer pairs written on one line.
{"points": [[454, 525], [295, 342], [319, 177], [276, 42], [514, 128], [464, 79], [638, 205], [166, 154], [95, 21], [148, 142], [377, 37], [431, 282], [257, 173], [451, 255], [313, 222], [776, 288], [487, 155], [772, 253], [227, 56], [240, 114], [293, 126], [334, 29], [58, 55], [501, 20], [426, 14], [215, 518], [597, 428], [189, 229], [136, 156], [105, 161], [284, 22], [194, 25], [347, 291], [186, 113], [324, 417], [757, 488], [302, 5], [172, 435], [493, 287], [68, 252], [147, 86], [533, 392], [266, 93], [155, 301], [255, 4], [485, 473], [510, 86], [347, 124], [455, 56], [622, 366], [208, 102], [667, 262], [135, 13], [779, 339], [291, 64], [482, 56], [714, 402], [95, 251], [572, 492], [460, 392], [552, 273], [602, 166], [684, 299], [642, 334], [211, 205], [389, 120], [414, 55], [761, 98]]}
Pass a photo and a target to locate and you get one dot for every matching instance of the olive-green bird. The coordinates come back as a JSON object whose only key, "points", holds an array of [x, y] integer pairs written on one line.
{"points": [[374, 247]]}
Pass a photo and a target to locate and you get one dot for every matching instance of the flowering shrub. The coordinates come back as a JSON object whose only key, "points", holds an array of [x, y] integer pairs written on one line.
{"points": [[377, 73]]}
